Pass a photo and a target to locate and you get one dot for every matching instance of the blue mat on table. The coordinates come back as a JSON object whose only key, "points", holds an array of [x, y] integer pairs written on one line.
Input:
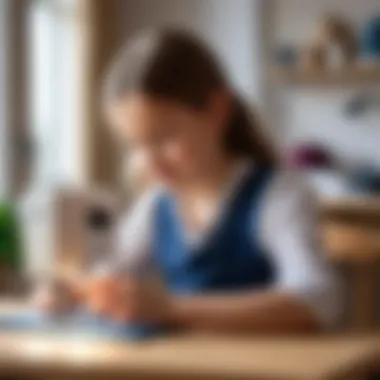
{"points": [[80, 324]]}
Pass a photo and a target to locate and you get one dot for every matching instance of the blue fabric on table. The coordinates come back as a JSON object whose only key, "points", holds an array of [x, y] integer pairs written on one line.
{"points": [[79, 324]]}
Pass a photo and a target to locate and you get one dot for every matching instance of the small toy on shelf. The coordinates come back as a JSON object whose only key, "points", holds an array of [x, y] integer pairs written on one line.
{"points": [[313, 57], [333, 46], [286, 56]]}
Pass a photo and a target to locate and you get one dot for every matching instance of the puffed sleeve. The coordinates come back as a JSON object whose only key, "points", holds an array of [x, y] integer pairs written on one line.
{"points": [[289, 233]]}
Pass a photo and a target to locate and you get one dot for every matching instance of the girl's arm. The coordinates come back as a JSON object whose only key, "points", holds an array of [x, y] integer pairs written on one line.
{"points": [[306, 295], [251, 312]]}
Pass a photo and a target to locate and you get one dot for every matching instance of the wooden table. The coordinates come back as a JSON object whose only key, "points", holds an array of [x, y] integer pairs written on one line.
{"points": [[187, 357], [33, 356]]}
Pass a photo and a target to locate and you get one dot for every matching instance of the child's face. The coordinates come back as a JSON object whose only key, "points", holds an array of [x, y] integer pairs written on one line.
{"points": [[173, 143]]}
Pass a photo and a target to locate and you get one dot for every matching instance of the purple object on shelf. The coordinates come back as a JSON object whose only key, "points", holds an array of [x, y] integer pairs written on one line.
{"points": [[309, 156]]}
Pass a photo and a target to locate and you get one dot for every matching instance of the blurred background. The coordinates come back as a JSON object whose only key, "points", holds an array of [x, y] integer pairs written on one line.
{"points": [[311, 68]]}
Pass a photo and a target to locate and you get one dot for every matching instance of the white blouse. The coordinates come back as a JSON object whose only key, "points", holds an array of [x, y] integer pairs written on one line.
{"points": [[287, 232]]}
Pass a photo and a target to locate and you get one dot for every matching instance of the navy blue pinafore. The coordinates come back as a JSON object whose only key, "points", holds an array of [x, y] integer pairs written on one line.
{"points": [[231, 258]]}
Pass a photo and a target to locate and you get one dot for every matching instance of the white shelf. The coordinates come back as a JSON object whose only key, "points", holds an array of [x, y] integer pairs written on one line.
{"points": [[347, 76]]}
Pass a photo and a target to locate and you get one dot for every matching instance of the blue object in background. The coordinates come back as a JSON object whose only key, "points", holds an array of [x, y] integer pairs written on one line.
{"points": [[286, 56], [358, 105], [80, 324], [370, 42], [365, 180]]}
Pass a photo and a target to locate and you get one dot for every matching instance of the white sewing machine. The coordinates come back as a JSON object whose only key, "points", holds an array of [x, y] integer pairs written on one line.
{"points": [[69, 229]]}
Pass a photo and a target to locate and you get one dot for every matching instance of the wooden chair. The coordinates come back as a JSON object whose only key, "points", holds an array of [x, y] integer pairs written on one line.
{"points": [[351, 235]]}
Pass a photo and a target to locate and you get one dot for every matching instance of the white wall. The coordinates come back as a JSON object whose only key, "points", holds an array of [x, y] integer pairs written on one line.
{"points": [[231, 26], [317, 114]]}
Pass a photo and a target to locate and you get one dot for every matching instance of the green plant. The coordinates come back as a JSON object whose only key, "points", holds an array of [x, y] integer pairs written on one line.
{"points": [[10, 237]]}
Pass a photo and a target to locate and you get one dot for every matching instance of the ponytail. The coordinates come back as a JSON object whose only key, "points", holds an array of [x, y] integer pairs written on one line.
{"points": [[245, 138]]}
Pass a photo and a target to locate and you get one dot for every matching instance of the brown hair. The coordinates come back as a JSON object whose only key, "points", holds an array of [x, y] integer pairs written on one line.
{"points": [[175, 65]]}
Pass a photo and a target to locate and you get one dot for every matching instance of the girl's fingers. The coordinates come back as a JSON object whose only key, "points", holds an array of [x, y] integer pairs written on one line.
{"points": [[117, 298], [106, 295], [97, 306], [97, 295], [127, 302], [122, 314]]}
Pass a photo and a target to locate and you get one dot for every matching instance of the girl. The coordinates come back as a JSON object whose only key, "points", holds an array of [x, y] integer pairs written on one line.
{"points": [[231, 234]]}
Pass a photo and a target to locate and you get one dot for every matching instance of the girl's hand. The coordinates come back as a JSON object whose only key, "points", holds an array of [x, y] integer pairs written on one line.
{"points": [[55, 297], [100, 294], [128, 300], [142, 301]]}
